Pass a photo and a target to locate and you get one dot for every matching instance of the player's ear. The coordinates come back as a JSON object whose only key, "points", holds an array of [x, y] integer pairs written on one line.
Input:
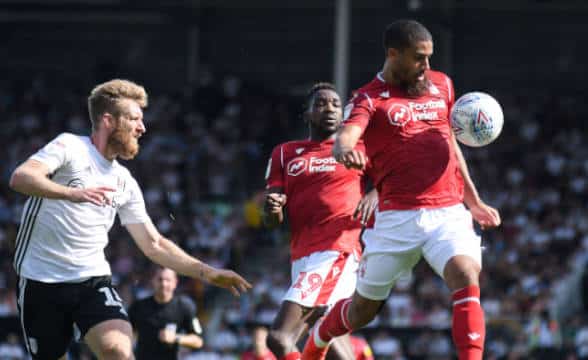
{"points": [[108, 120], [392, 53]]}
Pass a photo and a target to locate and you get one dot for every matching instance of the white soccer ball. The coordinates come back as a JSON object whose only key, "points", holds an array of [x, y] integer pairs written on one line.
{"points": [[476, 119]]}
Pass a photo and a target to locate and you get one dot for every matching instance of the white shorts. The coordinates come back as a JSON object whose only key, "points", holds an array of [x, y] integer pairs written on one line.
{"points": [[322, 278], [400, 237]]}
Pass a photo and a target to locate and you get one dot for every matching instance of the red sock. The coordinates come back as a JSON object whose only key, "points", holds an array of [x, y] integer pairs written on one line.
{"points": [[295, 355], [337, 321], [468, 328]]}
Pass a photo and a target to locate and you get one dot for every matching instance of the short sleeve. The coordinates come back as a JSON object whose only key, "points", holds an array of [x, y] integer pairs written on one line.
{"points": [[358, 111], [274, 174], [133, 211], [55, 153], [450, 92], [190, 322]]}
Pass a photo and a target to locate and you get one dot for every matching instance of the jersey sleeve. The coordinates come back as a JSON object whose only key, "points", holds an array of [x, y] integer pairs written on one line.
{"points": [[190, 322], [358, 111], [274, 174], [55, 154], [450, 93], [133, 211]]}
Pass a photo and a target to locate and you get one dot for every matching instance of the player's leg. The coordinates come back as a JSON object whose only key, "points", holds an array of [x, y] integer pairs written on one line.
{"points": [[289, 325], [47, 327], [102, 320], [341, 349], [111, 340], [377, 274], [392, 248], [454, 252]]}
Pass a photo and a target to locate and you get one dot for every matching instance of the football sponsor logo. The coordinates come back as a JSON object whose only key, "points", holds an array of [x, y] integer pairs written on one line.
{"points": [[399, 115], [299, 151], [296, 166], [327, 164], [76, 183]]}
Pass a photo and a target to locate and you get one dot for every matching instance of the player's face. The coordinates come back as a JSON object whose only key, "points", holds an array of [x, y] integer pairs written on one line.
{"points": [[411, 63], [124, 139], [325, 111], [164, 283]]}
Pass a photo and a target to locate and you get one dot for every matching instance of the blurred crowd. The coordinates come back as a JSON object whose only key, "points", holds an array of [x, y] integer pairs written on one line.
{"points": [[201, 168]]}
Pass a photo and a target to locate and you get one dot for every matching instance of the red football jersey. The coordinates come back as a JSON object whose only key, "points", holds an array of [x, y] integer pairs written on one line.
{"points": [[250, 355], [361, 348], [322, 196], [408, 142]]}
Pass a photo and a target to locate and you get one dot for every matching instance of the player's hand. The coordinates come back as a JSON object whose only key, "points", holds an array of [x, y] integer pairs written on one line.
{"points": [[353, 159], [229, 280], [96, 195], [167, 336], [366, 207], [487, 216], [274, 202]]}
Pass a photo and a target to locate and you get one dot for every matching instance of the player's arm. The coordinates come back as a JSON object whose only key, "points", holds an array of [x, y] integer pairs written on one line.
{"points": [[344, 148], [189, 340], [485, 215], [366, 207], [164, 252], [32, 178], [273, 209]]}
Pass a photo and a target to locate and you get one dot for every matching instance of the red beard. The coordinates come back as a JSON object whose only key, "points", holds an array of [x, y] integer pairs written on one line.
{"points": [[123, 143]]}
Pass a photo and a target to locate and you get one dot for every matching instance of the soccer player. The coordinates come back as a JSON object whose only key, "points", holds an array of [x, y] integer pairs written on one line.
{"points": [[422, 180], [164, 322], [361, 348], [76, 188], [259, 349], [325, 220]]}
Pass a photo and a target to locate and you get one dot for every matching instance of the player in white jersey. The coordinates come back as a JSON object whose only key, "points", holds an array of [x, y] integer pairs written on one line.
{"points": [[76, 188]]}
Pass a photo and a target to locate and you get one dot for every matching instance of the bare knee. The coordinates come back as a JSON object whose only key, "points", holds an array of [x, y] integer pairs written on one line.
{"points": [[362, 311], [115, 351], [461, 271], [280, 342], [111, 340]]}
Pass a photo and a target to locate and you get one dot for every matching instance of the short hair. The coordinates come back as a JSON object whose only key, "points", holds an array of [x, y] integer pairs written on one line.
{"points": [[105, 97], [315, 89], [402, 34]]}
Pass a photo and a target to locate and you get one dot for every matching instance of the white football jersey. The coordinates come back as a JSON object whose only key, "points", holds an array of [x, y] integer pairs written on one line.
{"points": [[63, 241]]}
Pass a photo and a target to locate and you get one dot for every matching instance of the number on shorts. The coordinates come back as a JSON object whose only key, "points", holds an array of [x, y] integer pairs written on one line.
{"points": [[112, 298], [314, 280]]}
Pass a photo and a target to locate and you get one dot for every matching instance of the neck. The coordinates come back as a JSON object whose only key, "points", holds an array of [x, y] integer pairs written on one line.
{"points": [[316, 135], [388, 74], [100, 141], [161, 299]]}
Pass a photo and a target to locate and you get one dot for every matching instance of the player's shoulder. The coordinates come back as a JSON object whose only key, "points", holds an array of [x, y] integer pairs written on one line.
{"points": [[291, 147], [186, 302], [68, 139], [139, 304], [440, 79], [372, 89]]}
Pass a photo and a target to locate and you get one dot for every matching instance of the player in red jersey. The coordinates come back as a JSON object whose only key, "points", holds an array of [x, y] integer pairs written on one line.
{"points": [[361, 348], [259, 350], [322, 198], [422, 181]]}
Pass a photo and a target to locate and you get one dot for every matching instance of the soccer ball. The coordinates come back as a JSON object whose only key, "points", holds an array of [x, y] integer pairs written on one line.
{"points": [[476, 119]]}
